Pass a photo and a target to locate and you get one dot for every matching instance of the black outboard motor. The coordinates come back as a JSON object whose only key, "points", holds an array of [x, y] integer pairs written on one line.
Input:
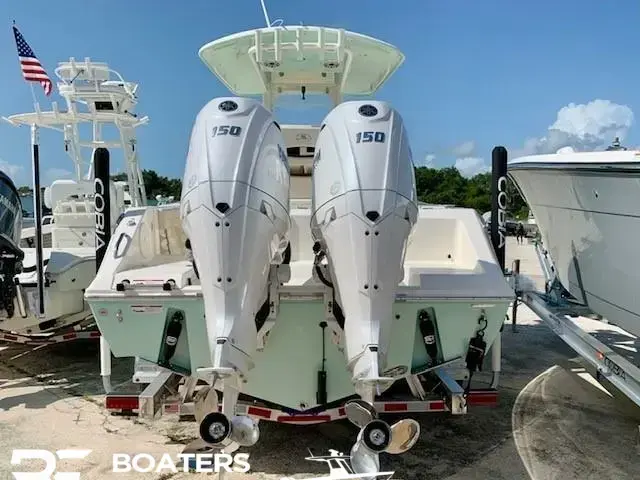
{"points": [[10, 231]]}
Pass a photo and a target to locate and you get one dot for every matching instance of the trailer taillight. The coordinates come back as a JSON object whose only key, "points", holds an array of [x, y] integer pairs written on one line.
{"points": [[396, 407], [483, 397], [122, 402]]}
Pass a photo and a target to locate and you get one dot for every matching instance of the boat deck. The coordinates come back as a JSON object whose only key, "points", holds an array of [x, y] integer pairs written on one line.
{"points": [[27, 238]]}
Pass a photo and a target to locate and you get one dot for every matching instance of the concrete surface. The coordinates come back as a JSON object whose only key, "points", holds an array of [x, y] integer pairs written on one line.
{"points": [[552, 421]]}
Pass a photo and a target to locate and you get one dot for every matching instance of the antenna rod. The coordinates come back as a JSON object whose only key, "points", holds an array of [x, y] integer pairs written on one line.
{"points": [[37, 203], [266, 15]]}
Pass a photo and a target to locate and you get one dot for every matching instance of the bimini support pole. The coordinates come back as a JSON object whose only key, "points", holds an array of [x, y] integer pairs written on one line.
{"points": [[498, 238], [37, 203], [102, 201]]}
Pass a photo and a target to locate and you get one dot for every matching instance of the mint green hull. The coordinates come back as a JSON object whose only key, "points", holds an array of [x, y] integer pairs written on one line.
{"points": [[285, 372]]}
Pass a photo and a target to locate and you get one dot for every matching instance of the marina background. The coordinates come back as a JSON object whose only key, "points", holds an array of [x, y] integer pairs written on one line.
{"points": [[446, 186]]}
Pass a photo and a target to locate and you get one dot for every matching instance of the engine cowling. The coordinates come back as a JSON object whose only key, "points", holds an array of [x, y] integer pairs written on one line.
{"points": [[235, 212], [365, 207]]}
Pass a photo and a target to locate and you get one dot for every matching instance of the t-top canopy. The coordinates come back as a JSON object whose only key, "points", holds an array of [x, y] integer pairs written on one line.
{"points": [[283, 59]]}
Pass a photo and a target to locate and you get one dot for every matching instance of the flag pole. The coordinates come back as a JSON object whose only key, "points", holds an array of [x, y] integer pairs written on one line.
{"points": [[33, 71], [37, 204], [36, 105]]}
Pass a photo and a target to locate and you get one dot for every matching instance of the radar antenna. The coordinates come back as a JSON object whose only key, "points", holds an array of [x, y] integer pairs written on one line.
{"points": [[616, 145], [276, 23]]}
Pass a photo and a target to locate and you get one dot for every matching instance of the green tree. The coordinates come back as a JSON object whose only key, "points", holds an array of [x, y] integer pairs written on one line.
{"points": [[442, 186], [156, 184], [447, 186]]}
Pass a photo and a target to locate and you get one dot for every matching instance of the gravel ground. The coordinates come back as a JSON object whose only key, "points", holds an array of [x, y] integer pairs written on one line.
{"points": [[551, 422]]}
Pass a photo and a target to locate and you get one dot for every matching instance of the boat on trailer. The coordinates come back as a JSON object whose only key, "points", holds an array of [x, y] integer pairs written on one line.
{"points": [[96, 96], [298, 278], [585, 205], [586, 208]]}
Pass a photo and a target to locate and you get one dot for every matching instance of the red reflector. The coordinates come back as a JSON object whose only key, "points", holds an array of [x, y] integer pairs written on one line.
{"points": [[484, 397], [342, 412], [436, 405], [171, 408], [259, 412], [121, 402], [94, 334], [304, 418], [396, 407], [68, 336]]}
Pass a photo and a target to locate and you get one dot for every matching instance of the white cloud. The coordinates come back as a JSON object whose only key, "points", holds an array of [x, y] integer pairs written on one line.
{"points": [[429, 161], [53, 174], [470, 166], [10, 169], [465, 149], [466, 162], [583, 127]]}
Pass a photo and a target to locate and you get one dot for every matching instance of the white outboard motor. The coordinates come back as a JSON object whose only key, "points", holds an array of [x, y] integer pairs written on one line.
{"points": [[235, 213], [365, 206]]}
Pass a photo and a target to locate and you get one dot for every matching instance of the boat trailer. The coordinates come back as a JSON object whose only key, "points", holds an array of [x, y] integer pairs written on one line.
{"points": [[157, 390], [567, 317], [161, 391], [83, 330]]}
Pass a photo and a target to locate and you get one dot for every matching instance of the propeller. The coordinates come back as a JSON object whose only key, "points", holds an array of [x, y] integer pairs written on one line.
{"points": [[205, 401], [376, 436], [360, 412], [217, 429], [244, 430]]}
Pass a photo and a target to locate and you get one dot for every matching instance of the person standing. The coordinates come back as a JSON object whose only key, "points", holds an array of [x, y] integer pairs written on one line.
{"points": [[520, 233]]}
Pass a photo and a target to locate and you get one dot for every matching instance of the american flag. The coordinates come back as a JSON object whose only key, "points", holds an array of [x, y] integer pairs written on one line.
{"points": [[32, 70]]}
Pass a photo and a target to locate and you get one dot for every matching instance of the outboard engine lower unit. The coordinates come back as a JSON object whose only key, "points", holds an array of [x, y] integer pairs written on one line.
{"points": [[11, 255], [235, 213], [365, 206]]}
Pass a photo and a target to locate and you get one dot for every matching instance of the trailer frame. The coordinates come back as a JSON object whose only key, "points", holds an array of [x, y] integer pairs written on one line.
{"points": [[557, 308], [84, 329], [161, 391]]}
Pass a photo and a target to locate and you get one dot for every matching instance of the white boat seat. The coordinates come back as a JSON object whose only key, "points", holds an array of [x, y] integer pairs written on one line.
{"points": [[69, 268]]}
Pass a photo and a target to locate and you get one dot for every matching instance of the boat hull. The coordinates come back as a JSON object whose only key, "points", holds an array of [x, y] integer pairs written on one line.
{"points": [[589, 220], [139, 329], [69, 271]]}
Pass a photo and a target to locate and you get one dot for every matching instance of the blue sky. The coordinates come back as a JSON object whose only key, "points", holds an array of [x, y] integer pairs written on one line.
{"points": [[476, 74]]}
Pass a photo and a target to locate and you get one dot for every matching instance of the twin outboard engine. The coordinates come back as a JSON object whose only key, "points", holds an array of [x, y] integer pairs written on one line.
{"points": [[11, 255], [235, 212], [364, 208]]}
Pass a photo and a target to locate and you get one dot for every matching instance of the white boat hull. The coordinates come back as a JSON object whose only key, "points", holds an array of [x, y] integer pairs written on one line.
{"points": [[589, 219]]}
